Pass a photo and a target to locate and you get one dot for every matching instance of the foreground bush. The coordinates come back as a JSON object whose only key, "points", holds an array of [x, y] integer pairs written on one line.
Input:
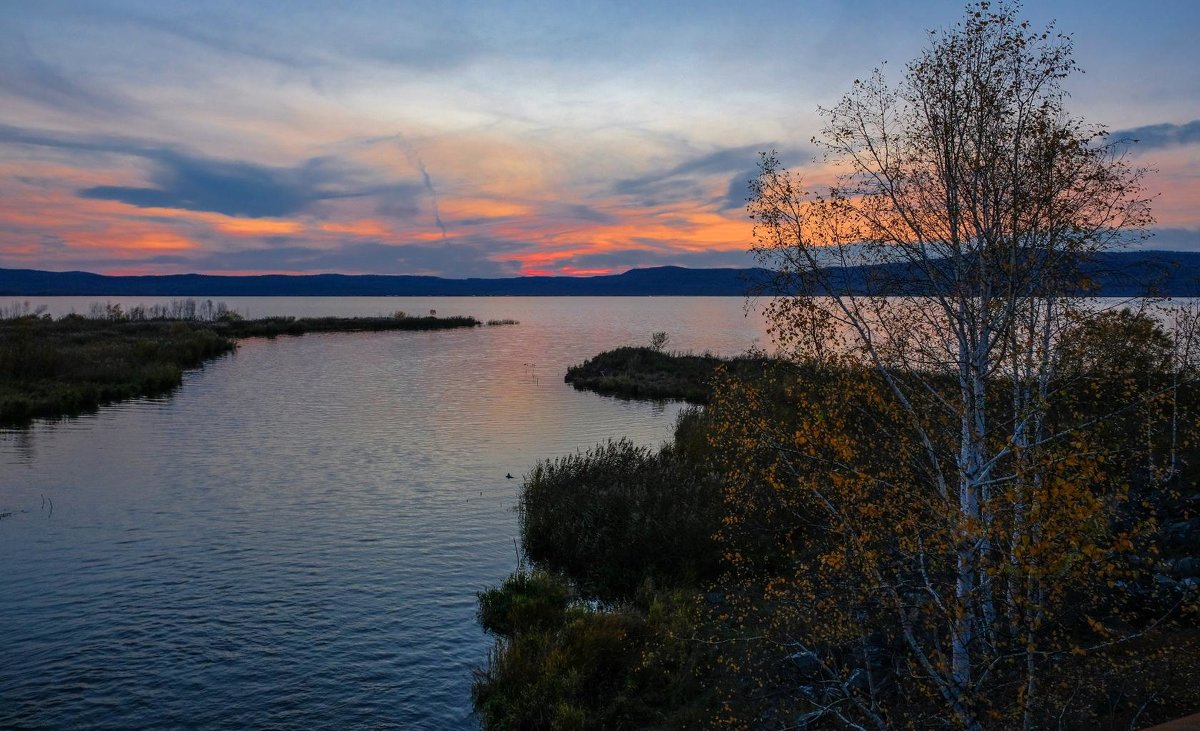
{"points": [[604, 632], [560, 665], [619, 515]]}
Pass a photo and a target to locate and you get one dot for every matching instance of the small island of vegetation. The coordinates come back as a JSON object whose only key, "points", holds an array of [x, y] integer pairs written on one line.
{"points": [[51, 368], [650, 373]]}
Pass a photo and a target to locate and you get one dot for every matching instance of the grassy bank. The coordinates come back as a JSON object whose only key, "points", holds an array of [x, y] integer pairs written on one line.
{"points": [[649, 373], [54, 368], [274, 326]]}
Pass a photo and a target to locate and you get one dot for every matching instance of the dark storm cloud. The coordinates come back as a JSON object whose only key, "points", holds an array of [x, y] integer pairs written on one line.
{"points": [[739, 190], [1157, 136], [231, 188]]}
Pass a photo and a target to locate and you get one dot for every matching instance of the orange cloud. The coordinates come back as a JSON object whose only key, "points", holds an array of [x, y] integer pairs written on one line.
{"points": [[158, 241], [256, 226], [367, 227], [1175, 181], [577, 272], [460, 208]]}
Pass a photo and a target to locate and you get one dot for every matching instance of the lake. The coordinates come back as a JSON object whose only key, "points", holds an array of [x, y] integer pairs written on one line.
{"points": [[294, 539]]}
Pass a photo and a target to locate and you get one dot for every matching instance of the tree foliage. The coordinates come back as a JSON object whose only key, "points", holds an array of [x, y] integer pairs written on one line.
{"points": [[956, 496], [938, 508]]}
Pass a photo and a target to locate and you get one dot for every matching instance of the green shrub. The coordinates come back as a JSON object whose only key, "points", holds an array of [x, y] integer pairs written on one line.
{"points": [[619, 515], [526, 600], [599, 669]]}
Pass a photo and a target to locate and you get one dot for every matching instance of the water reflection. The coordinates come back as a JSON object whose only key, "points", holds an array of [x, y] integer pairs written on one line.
{"points": [[295, 537]]}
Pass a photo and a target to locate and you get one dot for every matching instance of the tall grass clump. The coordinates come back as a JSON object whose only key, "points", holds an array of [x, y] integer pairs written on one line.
{"points": [[651, 373], [52, 368], [598, 630], [618, 515]]}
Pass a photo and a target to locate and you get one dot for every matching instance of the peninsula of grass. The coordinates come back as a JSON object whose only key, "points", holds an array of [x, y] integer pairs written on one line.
{"points": [[55, 368], [274, 326], [642, 373]]}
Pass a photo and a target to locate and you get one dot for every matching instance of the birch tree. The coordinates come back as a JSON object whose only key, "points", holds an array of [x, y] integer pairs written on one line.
{"points": [[969, 202]]}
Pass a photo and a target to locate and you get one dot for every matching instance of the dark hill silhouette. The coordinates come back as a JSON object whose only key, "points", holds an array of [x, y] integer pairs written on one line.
{"points": [[1168, 273]]}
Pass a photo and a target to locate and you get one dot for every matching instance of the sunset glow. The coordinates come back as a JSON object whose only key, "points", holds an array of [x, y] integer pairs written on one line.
{"points": [[469, 141]]}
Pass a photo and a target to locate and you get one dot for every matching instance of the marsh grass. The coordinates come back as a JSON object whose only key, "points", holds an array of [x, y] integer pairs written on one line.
{"points": [[55, 368], [650, 373], [275, 326], [52, 368], [598, 630]]}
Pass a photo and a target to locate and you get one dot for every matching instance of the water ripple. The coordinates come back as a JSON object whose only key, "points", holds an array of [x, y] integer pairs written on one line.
{"points": [[295, 538]]}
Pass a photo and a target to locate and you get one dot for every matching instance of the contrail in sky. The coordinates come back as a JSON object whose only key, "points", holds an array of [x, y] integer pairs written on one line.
{"points": [[415, 159]]}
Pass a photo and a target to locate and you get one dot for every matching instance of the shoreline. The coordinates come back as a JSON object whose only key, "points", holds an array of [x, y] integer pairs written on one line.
{"points": [[60, 368]]}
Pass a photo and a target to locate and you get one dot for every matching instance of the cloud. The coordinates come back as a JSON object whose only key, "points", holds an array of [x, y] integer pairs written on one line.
{"points": [[315, 40], [721, 161], [232, 188], [13, 135], [687, 180], [739, 190], [579, 212], [623, 259], [1157, 136], [1173, 239], [28, 77], [456, 258], [187, 181]]}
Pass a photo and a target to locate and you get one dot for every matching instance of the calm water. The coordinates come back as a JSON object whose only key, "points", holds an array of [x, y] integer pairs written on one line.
{"points": [[294, 539]]}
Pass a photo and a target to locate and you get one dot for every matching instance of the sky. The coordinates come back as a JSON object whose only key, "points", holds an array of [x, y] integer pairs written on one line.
{"points": [[467, 138]]}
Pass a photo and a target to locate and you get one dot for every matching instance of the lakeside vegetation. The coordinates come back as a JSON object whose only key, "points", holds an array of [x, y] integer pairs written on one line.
{"points": [[638, 372], [597, 629], [963, 497], [51, 368], [705, 583]]}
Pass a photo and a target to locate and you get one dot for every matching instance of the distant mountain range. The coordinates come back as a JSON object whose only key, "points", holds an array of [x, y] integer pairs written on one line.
{"points": [[1169, 273]]}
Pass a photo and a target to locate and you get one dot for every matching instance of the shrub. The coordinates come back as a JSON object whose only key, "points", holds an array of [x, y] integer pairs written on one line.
{"points": [[619, 515], [526, 600], [594, 668]]}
